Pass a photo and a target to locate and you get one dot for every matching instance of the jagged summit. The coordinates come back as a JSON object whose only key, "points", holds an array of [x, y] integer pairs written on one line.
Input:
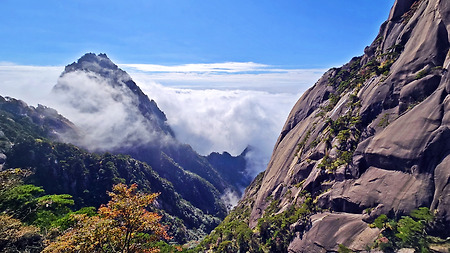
{"points": [[95, 63], [103, 66], [98, 70]]}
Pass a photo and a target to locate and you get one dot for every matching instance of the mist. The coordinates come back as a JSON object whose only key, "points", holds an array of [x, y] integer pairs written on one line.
{"points": [[107, 116], [233, 112]]}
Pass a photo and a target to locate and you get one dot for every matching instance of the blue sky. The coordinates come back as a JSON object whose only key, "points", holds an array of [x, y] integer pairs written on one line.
{"points": [[291, 33]]}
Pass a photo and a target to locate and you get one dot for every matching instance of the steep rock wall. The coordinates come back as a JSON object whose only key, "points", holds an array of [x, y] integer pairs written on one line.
{"points": [[374, 133]]}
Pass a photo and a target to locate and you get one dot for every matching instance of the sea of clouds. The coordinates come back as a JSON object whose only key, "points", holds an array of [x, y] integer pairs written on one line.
{"points": [[212, 107]]}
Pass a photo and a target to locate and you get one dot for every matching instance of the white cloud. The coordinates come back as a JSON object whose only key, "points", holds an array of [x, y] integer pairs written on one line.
{"points": [[107, 115], [225, 120]]}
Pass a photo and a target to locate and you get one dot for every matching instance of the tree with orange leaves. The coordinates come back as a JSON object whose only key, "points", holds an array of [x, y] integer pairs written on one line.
{"points": [[123, 225]]}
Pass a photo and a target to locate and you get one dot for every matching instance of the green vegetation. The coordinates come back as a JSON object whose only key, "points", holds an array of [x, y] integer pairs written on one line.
{"points": [[384, 121], [273, 232], [422, 74], [346, 130], [343, 249], [407, 232], [379, 221], [30, 219], [232, 234], [64, 168], [274, 229], [123, 225], [347, 77], [27, 212], [29, 203]]}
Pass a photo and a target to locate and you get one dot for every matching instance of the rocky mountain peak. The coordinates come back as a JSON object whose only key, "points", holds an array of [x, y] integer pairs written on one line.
{"points": [[95, 85], [99, 64]]}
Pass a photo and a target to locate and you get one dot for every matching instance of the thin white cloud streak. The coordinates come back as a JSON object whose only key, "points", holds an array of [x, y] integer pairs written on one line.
{"points": [[226, 67], [247, 76]]}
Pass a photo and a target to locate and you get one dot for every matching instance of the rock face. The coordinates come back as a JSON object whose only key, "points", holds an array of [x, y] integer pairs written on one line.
{"points": [[231, 167], [373, 134]]}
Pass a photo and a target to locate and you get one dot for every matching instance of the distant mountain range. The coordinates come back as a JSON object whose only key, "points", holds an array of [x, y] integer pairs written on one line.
{"points": [[131, 142]]}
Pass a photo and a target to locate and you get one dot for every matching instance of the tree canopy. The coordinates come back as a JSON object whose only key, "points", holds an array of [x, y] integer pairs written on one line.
{"points": [[123, 225]]}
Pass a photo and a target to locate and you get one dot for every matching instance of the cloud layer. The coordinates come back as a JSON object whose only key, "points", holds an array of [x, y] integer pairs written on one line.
{"points": [[213, 107], [224, 120]]}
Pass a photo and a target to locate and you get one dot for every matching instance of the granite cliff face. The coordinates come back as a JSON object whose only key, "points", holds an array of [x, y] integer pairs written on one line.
{"points": [[369, 138]]}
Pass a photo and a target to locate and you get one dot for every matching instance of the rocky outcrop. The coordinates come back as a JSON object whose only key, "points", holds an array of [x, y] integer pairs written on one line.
{"points": [[331, 229], [373, 134], [40, 120]]}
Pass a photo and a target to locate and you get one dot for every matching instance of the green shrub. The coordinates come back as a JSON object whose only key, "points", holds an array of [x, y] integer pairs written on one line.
{"points": [[421, 74], [343, 249], [384, 121], [379, 221], [408, 232]]}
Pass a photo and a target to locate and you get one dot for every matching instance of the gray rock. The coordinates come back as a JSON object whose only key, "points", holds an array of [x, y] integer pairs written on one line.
{"points": [[331, 229], [401, 145]]}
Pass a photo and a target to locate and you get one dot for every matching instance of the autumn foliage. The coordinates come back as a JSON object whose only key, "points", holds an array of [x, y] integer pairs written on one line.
{"points": [[18, 237], [123, 225]]}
